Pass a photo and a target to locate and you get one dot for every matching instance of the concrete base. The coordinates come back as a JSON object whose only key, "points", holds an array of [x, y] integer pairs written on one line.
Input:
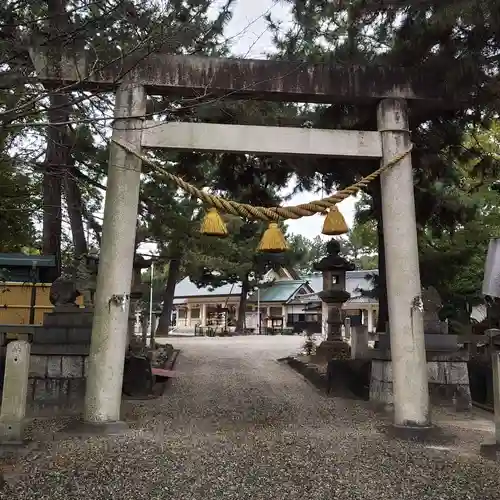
{"points": [[421, 434], [447, 374], [333, 349], [85, 429], [490, 451], [17, 448], [11, 432], [434, 342]]}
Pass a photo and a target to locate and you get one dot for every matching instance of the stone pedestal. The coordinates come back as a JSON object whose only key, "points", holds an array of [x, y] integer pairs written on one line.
{"points": [[333, 349], [334, 346], [59, 360], [447, 374], [66, 325]]}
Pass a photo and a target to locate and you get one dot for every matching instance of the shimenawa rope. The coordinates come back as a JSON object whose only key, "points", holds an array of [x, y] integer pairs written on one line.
{"points": [[265, 213]]}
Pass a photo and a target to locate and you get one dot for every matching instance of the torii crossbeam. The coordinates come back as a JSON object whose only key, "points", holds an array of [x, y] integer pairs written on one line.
{"points": [[198, 77]]}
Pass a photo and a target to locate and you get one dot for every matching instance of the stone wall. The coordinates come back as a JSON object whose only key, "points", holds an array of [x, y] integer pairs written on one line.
{"points": [[56, 383], [447, 375]]}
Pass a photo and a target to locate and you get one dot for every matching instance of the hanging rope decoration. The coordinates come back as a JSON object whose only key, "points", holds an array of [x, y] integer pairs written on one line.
{"points": [[213, 224], [272, 239]]}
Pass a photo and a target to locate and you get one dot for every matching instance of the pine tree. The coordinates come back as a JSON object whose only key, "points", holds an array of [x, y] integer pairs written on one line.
{"points": [[450, 42], [111, 32]]}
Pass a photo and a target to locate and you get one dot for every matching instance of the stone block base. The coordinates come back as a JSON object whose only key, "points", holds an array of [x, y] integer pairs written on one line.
{"points": [[55, 396], [56, 384], [333, 349], [448, 379]]}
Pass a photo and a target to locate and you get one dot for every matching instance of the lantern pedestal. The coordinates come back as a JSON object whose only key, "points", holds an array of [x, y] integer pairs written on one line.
{"points": [[334, 347]]}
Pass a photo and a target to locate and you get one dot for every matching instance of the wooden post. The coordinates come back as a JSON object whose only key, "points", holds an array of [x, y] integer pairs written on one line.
{"points": [[109, 330]]}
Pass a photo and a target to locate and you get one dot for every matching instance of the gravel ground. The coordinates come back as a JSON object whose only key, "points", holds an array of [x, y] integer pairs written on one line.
{"points": [[238, 425]]}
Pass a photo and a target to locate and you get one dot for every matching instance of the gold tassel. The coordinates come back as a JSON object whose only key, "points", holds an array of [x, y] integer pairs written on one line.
{"points": [[334, 224], [272, 240], [213, 225]]}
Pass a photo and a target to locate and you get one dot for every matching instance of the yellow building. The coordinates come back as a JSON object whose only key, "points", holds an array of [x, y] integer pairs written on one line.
{"points": [[24, 290], [15, 303]]}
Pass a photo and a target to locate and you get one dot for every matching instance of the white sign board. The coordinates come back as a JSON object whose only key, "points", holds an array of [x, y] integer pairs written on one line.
{"points": [[252, 320]]}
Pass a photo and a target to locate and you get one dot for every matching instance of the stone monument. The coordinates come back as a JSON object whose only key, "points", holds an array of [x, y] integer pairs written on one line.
{"points": [[435, 330], [136, 293], [63, 293], [85, 276], [334, 268], [432, 305], [79, 280]]}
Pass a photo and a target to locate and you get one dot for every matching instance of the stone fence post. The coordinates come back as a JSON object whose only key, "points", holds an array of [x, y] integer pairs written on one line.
{"points": [[15, 390]]}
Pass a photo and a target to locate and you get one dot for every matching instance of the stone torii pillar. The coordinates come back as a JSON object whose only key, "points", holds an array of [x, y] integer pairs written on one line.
{"points": [[112, 301], [410, 386]]}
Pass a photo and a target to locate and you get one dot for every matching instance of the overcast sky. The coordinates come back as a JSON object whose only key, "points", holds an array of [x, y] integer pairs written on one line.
{"points": [[249, 37]]}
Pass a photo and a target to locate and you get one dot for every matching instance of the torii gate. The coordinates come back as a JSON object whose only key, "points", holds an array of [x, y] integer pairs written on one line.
{"points": [[264, 80]]}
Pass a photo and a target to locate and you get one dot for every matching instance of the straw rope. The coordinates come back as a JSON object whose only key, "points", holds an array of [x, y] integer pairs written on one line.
{"points": [[265, 213]]}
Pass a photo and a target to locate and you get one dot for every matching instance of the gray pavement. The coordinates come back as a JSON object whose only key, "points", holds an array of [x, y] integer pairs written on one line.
{"points": [[238, 425]]}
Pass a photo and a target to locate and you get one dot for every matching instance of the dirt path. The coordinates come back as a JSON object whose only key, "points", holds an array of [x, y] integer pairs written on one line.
{"points": [[238, 425]]}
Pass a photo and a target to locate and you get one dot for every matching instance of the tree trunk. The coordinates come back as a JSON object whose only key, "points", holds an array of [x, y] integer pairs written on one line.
{"points": [[55, 159], [168, 297], [94, 225], [242, 308], [58, 145], [383, 309], [75, 211]]}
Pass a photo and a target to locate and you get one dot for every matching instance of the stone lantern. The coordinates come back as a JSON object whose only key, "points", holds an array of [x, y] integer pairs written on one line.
{"points": [[136, 291], [334, 268]]}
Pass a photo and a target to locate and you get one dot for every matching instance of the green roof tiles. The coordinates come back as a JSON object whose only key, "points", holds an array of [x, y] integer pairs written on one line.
{"points": [[280, 291], [23, 260]]}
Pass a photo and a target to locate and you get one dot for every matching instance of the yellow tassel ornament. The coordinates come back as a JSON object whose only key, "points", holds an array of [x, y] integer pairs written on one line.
{"points": [[334, 224], [213, 225], [272, 240]]}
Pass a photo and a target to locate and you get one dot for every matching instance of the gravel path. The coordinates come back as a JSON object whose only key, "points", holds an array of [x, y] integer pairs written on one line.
{"points": [[238, 425]]}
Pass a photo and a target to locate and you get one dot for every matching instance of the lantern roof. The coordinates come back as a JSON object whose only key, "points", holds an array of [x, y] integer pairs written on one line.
{"points": [[333, 261]]}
